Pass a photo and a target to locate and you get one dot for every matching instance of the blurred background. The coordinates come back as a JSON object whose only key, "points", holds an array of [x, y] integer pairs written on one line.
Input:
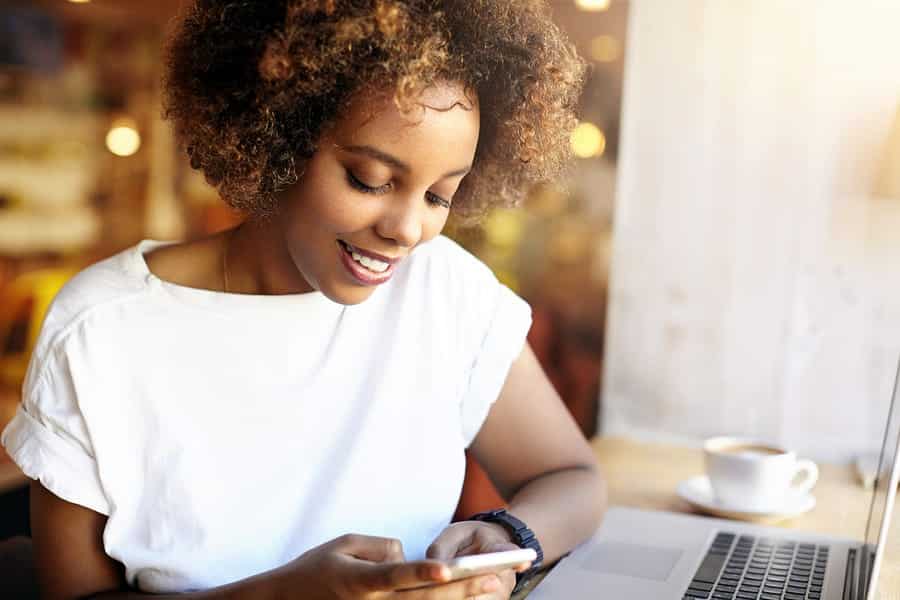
{"points": [[88, 168], [723, 259]]}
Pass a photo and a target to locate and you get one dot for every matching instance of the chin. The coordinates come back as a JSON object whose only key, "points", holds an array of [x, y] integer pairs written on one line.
{"points": [[348, 296]]}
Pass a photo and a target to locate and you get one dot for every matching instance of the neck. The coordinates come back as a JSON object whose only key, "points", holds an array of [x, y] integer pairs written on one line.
{"points": [[259, 262]]}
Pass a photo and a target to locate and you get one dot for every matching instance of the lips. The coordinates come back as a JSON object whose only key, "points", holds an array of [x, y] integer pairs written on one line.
{"points": [[359, 273], [370, 254]]}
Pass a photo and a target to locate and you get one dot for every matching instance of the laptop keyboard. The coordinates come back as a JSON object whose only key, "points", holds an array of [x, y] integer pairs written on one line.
{"points": [[749, 568]]}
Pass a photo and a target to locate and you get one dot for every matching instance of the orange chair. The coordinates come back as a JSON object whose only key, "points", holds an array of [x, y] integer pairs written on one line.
{"points": [[23, 304]]}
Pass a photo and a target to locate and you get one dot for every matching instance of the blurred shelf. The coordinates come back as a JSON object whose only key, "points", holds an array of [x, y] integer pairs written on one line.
{"points": [[24, 232]]}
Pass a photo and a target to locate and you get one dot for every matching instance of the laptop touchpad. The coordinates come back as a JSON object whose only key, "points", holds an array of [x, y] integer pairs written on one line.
{"points": [[633, 560]]}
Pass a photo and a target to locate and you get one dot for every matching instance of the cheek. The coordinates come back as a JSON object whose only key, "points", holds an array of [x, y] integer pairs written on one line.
{"points": [[342, 213], [327, 209], [433, 225]]}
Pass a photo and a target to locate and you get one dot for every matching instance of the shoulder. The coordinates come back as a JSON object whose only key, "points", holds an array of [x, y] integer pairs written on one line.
{"points": [[195, 264], [103, 282], [98, 289], [455, 282], [444, 257]]}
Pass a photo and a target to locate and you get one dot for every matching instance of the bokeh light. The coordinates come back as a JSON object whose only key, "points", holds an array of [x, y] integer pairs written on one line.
{"points": [[587, 140], [123, 138], [605, 48], [592, 5]]}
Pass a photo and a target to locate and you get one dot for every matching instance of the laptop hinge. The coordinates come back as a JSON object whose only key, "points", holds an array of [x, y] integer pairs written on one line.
{"points": [[866, 563], [859, 570], [850, 575], [862, 572]]}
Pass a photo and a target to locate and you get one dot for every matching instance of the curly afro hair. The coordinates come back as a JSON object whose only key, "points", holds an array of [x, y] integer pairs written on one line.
{"points": [[251, 85]]}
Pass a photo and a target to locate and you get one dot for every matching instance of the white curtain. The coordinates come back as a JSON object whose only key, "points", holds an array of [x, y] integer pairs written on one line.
{"points": [[755, 283]]}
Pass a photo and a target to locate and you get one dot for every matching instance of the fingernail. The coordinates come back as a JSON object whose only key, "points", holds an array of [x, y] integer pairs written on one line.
{"points": [[440, 573], [491, 584], [429, 572]]}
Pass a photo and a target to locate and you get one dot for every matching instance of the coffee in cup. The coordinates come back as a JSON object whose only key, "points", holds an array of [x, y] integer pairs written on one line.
{"points": [[753, 475]]}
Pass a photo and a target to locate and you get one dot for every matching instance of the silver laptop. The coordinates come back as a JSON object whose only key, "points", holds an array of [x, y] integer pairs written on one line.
{"points": [[654, 555]]}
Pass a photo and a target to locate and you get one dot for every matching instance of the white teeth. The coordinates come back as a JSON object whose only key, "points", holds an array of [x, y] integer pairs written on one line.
{"points": [[370, 263]]}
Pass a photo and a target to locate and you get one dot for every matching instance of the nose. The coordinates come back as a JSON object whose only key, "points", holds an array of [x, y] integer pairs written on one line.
{"points": [[401, 220]]}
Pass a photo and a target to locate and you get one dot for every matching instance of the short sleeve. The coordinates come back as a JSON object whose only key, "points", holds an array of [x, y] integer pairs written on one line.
{"points": [[48, 438], [504, 324]]}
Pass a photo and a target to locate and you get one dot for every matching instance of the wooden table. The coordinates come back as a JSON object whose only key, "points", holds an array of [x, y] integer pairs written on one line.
{"points": [[644, 475]]}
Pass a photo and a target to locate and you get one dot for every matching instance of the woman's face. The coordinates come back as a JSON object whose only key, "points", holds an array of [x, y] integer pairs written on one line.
{"points": [[380, 184]]}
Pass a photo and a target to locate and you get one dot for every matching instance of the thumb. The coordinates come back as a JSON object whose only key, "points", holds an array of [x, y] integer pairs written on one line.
{"points": [[385, 577], [500, 547], [449, 542], [505, 546], [371, 548]]}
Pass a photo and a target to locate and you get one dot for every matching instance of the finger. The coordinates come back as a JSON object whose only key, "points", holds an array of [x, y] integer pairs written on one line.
{"points": [[508, 577], [367, 547], [450, 541], [470, 549], [502, 546], [476, 548], [455, 590], [499, 547], [508, 583], [382, 577]]}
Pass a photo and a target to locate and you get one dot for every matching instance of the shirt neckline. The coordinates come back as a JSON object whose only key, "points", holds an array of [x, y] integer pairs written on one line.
{"points": [[217, 299]]}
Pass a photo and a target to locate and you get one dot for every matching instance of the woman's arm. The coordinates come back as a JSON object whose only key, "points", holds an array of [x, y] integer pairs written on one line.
{"points": [[71, 564], [536, 455]]}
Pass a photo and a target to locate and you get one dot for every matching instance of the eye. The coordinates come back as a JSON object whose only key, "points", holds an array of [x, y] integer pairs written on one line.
{"points": [[436, 200], [362, 187], [355, 183]]}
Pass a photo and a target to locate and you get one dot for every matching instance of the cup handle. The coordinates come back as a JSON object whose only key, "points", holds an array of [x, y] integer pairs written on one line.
{"points": [[810, 473]]}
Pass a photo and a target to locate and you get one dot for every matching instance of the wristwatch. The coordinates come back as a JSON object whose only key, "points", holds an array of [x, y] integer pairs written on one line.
{"points": [[521, 535]]}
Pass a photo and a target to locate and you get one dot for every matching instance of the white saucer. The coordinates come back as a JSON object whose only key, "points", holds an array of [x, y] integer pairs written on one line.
{"points": [[697, 492]]}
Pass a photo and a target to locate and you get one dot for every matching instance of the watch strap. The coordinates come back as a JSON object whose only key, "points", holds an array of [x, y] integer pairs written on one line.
{"points": [[521, 536]]}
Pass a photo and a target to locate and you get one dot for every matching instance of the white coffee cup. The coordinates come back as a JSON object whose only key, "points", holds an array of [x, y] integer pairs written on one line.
{"points": [[755, 475]]}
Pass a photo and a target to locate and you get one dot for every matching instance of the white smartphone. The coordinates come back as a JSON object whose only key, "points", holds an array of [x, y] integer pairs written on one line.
{"points": [[492, 562]]}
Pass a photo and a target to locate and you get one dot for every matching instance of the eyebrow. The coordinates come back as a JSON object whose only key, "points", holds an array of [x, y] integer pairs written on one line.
{"points": [[394, 161]]}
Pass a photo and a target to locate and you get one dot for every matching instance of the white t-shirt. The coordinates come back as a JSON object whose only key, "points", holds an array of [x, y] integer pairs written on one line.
{"points": [[224, 434]]}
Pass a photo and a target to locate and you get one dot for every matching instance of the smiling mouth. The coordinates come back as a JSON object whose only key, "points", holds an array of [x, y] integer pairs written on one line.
{"points": [[366, 259], [371, 254]]}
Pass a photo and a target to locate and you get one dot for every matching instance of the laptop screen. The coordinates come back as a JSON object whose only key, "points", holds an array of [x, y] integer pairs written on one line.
{"points": [[885, 476]]}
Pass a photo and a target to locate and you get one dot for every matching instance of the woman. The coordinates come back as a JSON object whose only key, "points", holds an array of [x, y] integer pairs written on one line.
{"points": [[281, 410]]}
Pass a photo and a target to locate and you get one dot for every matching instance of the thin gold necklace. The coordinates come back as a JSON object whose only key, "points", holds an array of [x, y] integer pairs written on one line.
{"points": [[225, 259]]}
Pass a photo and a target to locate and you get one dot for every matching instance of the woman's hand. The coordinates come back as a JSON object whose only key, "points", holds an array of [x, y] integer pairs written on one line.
{"points": [[359, 567], [477, 537]]}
